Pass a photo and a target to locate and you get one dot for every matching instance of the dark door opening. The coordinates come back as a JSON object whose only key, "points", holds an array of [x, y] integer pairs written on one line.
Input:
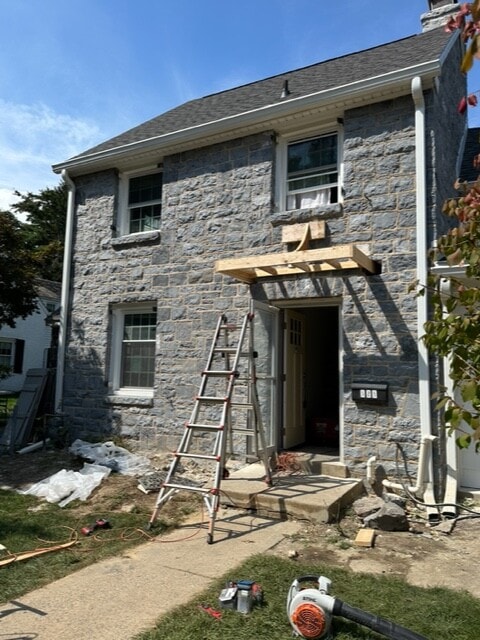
{"points": [[321, 377]]}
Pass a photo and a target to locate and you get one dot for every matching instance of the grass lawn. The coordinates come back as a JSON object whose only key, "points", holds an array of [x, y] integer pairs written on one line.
{"points": [[437, 614], [26, 524]]}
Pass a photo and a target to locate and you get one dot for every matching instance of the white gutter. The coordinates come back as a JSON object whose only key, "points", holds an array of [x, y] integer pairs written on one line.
{"points": [[67, 260], [424, 484], [278, 110]]}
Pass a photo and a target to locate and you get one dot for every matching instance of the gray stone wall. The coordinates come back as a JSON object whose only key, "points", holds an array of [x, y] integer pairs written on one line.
{"points": [[379, 312], [218, 203]]}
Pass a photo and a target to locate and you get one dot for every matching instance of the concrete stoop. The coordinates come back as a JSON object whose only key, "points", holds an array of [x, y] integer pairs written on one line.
{"points": [[316, 498]]}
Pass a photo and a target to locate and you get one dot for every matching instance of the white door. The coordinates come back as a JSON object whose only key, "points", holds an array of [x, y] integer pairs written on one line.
{"points": [[294, 377], [265, 327]]}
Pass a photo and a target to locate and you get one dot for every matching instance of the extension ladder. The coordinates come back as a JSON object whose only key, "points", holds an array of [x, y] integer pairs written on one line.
{"points": [[228, 383]]}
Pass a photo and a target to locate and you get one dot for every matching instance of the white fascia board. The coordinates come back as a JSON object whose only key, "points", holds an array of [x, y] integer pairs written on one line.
{"points": [[386, 82]]}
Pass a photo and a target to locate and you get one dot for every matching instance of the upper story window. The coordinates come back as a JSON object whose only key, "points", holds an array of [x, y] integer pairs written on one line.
{"points": [[141, 202], [312, 172]]}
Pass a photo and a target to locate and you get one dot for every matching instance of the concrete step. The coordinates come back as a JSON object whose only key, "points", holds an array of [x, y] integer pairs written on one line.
{"points": [[316, 498]]}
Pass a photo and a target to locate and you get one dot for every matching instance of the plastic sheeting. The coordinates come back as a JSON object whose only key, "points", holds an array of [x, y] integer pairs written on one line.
{"points": [[65, 486], [111, 456]]}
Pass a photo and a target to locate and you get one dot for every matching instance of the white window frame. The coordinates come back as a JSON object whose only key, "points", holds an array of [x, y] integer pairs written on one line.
{"points": [[11, 342], [118, 318], [123, 222], [282, 160]]}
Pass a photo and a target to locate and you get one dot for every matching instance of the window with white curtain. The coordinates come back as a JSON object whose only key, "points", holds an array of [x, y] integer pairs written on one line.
{"points": [[312, 172]]}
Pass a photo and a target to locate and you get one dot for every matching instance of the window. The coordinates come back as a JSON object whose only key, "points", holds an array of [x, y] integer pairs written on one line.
{"points": [[312, 172], [11, 354], [142, 198], [133, 352], [6, 354]]}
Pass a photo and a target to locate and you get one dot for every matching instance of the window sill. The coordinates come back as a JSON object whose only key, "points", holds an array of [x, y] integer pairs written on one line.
{"points": [[130, 401], [145, 237], [278, 218]]}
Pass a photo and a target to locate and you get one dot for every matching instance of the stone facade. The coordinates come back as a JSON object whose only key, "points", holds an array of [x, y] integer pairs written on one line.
{"points": [[218, 202]]}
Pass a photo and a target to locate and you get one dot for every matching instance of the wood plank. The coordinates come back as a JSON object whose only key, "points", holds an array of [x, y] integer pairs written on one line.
{"points": [[365, 538], [26, 555], [296, 232], [339, 257]]}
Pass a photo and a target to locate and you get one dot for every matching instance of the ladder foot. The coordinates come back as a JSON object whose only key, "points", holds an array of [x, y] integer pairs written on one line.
{"points": [[209, 538]]}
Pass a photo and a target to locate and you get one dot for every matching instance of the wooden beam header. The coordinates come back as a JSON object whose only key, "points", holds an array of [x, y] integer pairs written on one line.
{"points": [[327, 260]]}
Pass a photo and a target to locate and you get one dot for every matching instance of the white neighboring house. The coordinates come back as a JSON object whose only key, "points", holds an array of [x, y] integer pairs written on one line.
{"points": [[26, 346]]}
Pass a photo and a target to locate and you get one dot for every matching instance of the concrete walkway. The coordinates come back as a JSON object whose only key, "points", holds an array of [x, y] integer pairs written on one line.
{"points": [[118, 598]]}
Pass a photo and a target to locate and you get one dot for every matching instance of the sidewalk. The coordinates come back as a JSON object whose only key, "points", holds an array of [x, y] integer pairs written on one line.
{"points": [[118, 598]]}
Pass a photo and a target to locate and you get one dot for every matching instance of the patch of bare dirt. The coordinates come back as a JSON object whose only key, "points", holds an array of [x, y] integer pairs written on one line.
{"points": [[424, 557]]}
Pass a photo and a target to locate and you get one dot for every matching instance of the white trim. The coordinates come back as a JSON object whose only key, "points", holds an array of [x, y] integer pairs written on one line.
{"points": [[119, 311], [301, 135], [123, 216]]}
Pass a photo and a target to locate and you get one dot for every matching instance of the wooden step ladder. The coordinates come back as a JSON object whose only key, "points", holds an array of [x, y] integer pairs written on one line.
{"points": [[226, 413]]}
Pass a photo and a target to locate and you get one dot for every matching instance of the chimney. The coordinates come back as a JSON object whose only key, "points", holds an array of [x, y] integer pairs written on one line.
{"points": [[438, 13]]}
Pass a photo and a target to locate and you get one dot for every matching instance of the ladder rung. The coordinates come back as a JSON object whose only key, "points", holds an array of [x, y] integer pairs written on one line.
{"points": [[225, 350], [242, 405], [197, 456], [219, 372], [204, 427], [248, 432], [186, 487], [211, 399]]}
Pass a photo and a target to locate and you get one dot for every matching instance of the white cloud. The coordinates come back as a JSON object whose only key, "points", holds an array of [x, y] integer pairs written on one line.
{"points": [[7, 198], [32, 138]]}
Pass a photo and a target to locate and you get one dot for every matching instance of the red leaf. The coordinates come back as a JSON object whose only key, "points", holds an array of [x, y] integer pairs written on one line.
{"points": [[472, 100]]}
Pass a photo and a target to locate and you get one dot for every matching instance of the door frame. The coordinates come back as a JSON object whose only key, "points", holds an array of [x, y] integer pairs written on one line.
{"points": [[302, 303]]}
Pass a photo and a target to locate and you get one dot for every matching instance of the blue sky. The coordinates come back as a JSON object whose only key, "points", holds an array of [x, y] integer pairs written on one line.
{"points": [[76, 72]]}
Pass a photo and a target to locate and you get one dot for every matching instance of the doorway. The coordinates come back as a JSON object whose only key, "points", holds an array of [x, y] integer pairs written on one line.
{"points": [[311, 374]]}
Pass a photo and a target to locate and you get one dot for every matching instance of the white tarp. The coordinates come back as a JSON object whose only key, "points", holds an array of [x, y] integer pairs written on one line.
{"points": [[112, 456], [65, 486]]}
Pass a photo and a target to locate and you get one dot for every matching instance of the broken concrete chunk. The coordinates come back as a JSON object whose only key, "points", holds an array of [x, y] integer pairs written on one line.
{"points": [[390, 517], [364, 507]]}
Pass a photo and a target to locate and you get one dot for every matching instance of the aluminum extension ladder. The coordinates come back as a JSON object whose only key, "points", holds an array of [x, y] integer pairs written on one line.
{"points": [[228, 384]]}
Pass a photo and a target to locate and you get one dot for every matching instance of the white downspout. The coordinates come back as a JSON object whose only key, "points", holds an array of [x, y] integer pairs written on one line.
{"points": [[424, 484], [67, 260], [422, 301], [451, 484]]}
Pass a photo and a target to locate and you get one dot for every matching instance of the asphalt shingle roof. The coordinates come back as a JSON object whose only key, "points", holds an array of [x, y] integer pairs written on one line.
{"points": [[329, 74]]}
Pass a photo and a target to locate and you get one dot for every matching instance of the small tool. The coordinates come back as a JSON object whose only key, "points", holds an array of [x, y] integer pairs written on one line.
{"points": [[101, 523]]}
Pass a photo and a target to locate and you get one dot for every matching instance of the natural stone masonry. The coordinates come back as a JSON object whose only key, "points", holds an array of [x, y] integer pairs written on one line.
{"points": [[218, 202]]}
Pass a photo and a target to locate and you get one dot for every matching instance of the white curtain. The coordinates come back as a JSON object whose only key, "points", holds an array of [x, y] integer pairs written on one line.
{"points": [[308, 199]]}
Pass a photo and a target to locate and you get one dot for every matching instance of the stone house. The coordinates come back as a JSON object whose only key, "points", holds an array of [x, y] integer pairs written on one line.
{"points": [[312, 199]]}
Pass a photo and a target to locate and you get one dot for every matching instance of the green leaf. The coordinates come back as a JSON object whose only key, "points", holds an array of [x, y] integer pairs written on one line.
{"points": [[469, 391], [464, 441]]}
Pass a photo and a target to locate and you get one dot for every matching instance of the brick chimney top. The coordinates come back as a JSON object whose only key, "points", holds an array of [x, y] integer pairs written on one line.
{"points": [[438, 14]]}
